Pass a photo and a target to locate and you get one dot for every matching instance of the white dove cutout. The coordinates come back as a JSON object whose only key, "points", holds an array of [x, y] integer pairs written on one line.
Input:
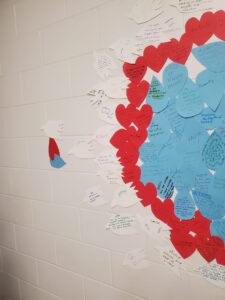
{"points": [[53, 129]]}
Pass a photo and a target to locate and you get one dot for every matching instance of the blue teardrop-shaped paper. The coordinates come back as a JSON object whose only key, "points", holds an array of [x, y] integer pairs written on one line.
{"points": [[184, 206], [211, 88], [189, 102], [57, 162], [208, 208], [174, 78], [217, 228], [212, 56], [157, 96]]}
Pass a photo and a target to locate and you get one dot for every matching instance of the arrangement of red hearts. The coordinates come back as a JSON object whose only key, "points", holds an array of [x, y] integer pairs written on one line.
{"points": [[187, 236]]}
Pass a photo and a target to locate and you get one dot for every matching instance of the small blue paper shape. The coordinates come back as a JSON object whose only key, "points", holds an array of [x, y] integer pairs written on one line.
{"points": [[159, 129], [211, 88], [209, 119], [208, 208], [189, 101], [184, 206], [174, 78], [212, 56], [213, 153], [57, 162], [217, 228], [175, 120], [157, 96]]}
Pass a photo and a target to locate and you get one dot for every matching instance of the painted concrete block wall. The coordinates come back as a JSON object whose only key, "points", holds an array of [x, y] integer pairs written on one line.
{"points": [[53, 246]]}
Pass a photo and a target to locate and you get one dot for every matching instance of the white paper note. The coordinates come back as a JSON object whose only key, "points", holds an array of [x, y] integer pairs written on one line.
{"points": [[106, 112], [107, 160], [122, 224], [103, 64], [172, 259], [136, 259], [124, 49], [145, 10], [94, 196], [84, 148], [124, 196], [103, 134], [111, 176], [154, 227], [213, 272]]}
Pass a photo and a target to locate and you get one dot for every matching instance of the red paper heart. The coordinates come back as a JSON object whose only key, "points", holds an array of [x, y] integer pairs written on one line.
{"points": [[135, 72], [183, 243], [201, 31], [53, 149], [180, 50], [155, 58], [123, 116], [131, 174], [137, 137], [164, 211], [209, 246], [128, 154], [136, 93], [219, 19], [142, 117], [200, 225], [119, 138], [147, 193]]}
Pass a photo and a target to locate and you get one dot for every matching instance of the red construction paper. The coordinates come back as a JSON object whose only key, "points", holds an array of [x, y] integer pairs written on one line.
{"points": [[119, 138], [155, 58], [143, 117], [219, 19], [183, 243], [179, 51], [135, 72], [200, 31], [209, 246], [125, 115], [147, 193], [136, 93], [131, 173], [128, 154], [53, 148], [137, 137]]}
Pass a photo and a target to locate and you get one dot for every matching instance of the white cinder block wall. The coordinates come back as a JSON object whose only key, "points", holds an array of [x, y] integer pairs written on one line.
{"points": [[53, 247]]}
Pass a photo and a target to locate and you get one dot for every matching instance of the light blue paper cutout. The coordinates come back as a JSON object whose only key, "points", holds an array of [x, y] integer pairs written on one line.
{"points": [[213, 153], [183, 179], [57, 162], [159, 129], [217, 188], [184, 206], [157, 96], [211, 88], [174, 78], [208, 208], [175, 120], [148, 152], [165, 188], [202, 180], [209, 119], [212, 56], [189, 101], [217, 228], [221, 108]]}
